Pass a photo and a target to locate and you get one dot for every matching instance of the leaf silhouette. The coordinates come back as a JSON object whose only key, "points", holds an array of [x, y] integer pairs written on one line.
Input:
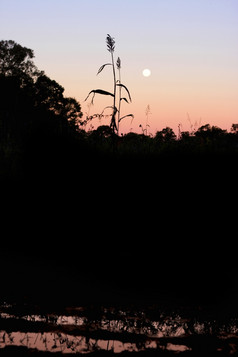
{"points": [[125, 116], [103, 66], [122, 85], [124, 99], [109, 107], [98, 91]]}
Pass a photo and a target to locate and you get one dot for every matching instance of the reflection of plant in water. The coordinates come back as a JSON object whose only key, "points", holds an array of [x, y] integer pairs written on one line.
{"points": [[113, 329]]}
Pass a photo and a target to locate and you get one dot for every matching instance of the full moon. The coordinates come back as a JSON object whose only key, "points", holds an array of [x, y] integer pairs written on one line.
{"points": [[146, 72]]}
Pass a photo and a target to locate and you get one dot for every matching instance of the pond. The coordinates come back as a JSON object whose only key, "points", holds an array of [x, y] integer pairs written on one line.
{"points": [[114, 330]]}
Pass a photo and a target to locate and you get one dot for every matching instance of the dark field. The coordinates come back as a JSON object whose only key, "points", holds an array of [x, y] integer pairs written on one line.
{"points": [[147, 269], [111, 244]]}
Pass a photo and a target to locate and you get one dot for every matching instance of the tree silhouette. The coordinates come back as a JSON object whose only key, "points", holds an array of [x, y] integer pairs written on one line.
{"points": [[16, 61], [165, 135], [30, 96], [33, 109]]}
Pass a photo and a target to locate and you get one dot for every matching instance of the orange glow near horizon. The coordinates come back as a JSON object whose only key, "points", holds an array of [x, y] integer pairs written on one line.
{"points": [[170, 106], [190, 47]]}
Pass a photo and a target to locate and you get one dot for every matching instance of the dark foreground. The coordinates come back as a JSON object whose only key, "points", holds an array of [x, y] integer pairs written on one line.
{"points": [[143, 255], [60, 306], [97, 330]]}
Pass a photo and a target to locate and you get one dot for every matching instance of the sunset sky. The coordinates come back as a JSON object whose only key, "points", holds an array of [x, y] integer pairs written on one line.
{"points": [[190, 46]]}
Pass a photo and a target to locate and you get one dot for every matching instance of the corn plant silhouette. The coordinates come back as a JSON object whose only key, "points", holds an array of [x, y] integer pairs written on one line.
{"points": [[116, 95]]}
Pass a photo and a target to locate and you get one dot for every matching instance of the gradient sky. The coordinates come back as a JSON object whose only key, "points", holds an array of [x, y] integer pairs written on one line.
{"points": [[190, 46]]}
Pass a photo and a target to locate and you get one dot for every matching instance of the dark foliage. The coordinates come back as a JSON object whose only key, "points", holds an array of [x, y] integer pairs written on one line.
{"points": [[157, 213], [33, 111]]}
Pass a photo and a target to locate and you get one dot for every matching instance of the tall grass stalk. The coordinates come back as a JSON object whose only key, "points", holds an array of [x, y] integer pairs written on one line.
{"points": [[119, 102], [111, 47], [147, 113], [115, 116]]}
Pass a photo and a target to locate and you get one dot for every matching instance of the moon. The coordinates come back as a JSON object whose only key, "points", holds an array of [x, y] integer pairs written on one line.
{"points": [[146, 72]]}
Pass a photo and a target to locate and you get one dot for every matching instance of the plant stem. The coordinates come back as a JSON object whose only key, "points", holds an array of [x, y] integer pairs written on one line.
{"points": [[119, 104], [113, 123]]}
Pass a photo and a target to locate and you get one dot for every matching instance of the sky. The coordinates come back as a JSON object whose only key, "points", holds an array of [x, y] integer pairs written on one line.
{"points": [[190, 46]]}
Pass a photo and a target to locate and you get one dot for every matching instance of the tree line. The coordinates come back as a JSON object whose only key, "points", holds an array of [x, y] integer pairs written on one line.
{"points": [[44, 141], [38, 121]]}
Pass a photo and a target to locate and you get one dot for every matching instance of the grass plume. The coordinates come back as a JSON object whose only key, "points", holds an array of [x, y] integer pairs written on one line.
{"points": [[117, 88]]}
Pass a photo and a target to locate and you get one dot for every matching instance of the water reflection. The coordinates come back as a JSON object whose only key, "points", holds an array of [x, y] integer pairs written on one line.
{"points": [[65, 343], [116, 330]]}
